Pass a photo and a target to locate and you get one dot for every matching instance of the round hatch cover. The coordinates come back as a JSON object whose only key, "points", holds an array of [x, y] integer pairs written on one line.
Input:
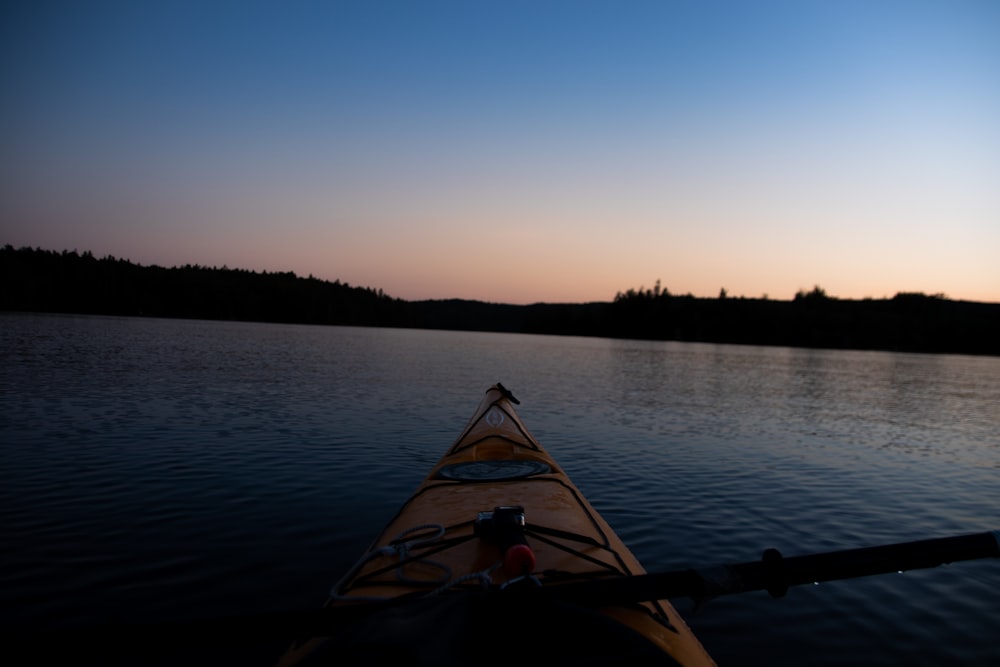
{"points": [[482, 471]]}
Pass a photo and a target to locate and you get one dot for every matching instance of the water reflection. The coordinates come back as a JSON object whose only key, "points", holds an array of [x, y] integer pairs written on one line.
{"points": [[252, 463]]}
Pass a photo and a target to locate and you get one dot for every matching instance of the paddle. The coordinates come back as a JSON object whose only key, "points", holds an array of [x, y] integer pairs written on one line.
{"points": [[772, 573]]}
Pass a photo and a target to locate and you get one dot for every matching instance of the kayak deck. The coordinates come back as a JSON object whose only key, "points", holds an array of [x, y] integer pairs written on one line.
{"points": [[443, 543]]}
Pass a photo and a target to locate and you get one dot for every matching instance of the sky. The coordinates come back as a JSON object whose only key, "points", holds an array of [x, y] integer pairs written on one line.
{"points": [[514, 151]]}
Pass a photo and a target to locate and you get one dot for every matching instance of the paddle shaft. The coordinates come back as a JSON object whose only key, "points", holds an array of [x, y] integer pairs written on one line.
{"points": [[775, 574]]}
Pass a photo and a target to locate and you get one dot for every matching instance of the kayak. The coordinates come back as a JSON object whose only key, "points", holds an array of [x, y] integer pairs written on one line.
{"points": [[470, 569]]}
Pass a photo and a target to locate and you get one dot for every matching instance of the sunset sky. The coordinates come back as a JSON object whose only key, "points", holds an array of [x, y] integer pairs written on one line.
{"points": [[514, 151]]}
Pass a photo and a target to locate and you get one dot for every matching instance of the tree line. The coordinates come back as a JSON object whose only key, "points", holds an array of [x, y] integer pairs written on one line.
{"points": [[71, 282], [913, 322]]}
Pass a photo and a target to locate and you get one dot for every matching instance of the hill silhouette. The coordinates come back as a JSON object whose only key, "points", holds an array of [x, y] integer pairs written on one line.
{"points": [[71, 282]]}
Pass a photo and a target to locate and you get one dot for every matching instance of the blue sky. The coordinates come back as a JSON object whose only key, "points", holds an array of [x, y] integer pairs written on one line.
{"points": [[515, 151]]}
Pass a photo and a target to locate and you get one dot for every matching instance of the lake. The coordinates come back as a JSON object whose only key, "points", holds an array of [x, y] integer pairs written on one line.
{"points": [[160, 469]]}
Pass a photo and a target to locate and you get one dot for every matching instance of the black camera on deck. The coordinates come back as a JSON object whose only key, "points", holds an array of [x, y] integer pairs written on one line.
{"points": [[501, 525]]}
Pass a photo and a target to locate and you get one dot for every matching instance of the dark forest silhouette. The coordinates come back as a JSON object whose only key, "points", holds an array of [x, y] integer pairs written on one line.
{"points": [[71, 282]]}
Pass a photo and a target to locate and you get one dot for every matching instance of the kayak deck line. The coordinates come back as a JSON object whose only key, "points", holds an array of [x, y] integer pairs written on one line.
{"points": [[495, 520], [432, 546]]}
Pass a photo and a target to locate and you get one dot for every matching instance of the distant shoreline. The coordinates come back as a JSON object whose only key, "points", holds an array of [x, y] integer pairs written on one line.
{"points": [[35, 280]]}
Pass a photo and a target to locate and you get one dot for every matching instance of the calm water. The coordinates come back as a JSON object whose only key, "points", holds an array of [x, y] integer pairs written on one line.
{"points": [[155, 469]]}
